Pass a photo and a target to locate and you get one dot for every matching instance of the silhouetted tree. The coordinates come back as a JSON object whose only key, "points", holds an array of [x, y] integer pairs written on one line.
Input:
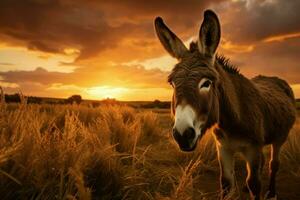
{"points": [[12, 98], [74, 99], [157, 104], [36, 100]]}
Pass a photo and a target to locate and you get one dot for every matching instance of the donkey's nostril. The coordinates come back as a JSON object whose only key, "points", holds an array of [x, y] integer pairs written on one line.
{"points": [[189, 133], [176, 134]]}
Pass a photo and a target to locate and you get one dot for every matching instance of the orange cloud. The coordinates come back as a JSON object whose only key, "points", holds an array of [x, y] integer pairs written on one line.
{"points": [[236, 48], [280, 38]]}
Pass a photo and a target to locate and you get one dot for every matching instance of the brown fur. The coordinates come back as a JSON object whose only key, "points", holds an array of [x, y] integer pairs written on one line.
{"points": [[264, 106], [249, 113]]}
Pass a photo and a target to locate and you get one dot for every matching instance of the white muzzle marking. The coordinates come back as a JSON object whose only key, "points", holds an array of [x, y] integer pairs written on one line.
{"points": [[185, 117]]}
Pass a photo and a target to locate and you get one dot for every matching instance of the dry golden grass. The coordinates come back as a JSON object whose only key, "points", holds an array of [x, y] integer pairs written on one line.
{"points": [[111, 152]]}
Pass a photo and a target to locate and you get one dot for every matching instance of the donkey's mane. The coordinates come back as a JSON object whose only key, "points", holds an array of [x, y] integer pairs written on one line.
{"points": [[227, 66], [223, 61]]}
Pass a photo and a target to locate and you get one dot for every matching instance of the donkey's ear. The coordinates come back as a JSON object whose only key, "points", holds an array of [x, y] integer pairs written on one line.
{"points": [[209, 35], [169, 40]]}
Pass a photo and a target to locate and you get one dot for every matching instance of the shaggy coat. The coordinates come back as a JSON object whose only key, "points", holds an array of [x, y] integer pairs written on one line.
{"points": [[245, 114]]}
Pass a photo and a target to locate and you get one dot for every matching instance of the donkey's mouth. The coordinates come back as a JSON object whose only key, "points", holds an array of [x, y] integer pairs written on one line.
{"points": [[188, 149], [190, 146]]}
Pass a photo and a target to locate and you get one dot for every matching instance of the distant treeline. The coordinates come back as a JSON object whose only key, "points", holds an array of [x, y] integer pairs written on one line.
{"points": [[157, 104], [17, 98], [135, 104], [77, 99]]}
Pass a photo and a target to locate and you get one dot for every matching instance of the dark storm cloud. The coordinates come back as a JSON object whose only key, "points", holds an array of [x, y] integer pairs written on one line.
{"points": [[91, 26], [94, 26], [252, 21], [272, 59], [248, 24], [52, 26]]}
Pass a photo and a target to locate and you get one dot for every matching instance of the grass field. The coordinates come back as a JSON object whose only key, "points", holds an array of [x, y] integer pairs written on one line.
{"points": [[115, 152]]}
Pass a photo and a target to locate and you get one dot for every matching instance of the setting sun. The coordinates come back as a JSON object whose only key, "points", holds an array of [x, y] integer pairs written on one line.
{"points": [[105, 92]]}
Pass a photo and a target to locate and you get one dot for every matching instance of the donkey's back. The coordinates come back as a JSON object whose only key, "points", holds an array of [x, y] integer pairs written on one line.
{"points": [[278, 107]]}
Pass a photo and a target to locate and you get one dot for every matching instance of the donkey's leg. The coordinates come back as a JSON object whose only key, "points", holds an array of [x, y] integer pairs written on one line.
{"points": [[226, 163], [262, 164], [273, 168], [254, 157]]}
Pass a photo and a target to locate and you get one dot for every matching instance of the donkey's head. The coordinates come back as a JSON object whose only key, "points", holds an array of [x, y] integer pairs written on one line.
{"points": [[194, 80]]}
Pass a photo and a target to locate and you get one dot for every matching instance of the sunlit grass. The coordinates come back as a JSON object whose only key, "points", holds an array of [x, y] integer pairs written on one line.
{"points": [[109, 152]]}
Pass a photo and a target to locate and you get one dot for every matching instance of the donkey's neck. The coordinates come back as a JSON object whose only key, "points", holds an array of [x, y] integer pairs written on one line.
{"points": [[238, 99], [228, 94]]}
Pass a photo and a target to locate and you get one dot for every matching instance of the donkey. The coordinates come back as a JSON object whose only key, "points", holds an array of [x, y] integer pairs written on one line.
{"points": [[244, 114]]}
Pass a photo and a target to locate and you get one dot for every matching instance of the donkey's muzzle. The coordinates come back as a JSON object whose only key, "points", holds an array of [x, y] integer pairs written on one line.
{"points": [[186, 140]]}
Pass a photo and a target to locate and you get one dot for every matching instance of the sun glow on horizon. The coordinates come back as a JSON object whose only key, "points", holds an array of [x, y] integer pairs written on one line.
{"points": [[104, 92]]}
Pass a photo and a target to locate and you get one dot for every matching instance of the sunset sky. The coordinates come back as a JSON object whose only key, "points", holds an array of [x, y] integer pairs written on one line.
{"points": [[108, 49]]}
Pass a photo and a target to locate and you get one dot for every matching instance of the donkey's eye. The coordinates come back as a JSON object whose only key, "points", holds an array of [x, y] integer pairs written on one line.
{"points": [[204, 84]]}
